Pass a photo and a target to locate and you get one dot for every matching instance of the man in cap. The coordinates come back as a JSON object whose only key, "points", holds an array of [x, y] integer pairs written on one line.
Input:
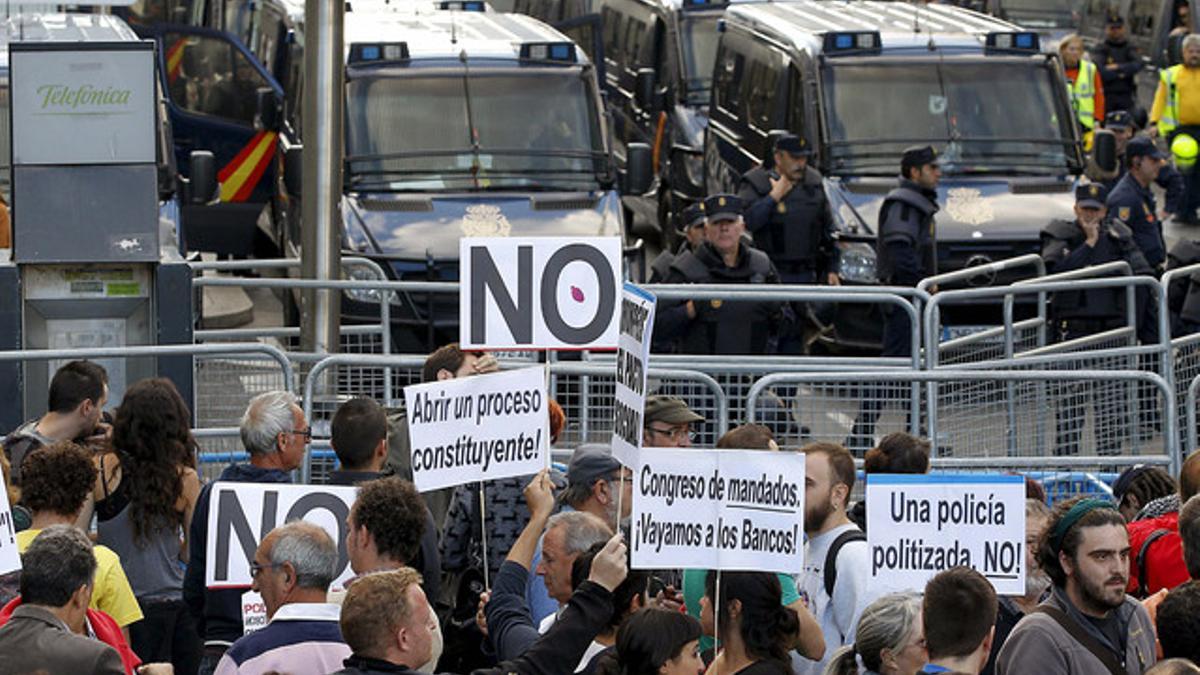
{"points": [[594, 480], [1132, 201], [905, 253], [1123, 127], [1119, 64], [667, 422], [1087, 624], [1176, 117], [715, 326], [1090, 239]]}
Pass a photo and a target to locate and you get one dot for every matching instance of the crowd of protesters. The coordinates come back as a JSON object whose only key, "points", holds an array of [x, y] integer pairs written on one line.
{"points": [[112, 522]]}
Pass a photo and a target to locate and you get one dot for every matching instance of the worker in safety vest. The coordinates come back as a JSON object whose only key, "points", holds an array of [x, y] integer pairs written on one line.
{"points": [[1084, 85], [1176, 118]]}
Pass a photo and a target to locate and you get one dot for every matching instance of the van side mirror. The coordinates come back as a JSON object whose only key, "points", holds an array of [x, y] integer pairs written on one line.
{"points": [[1104, 150], [1174, 50], [267, 109], [639, 171], [293, 169], [644, 87], [202, 178]]}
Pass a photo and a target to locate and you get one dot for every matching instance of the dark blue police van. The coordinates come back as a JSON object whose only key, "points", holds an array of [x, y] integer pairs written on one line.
{"points": [[863, 80]]}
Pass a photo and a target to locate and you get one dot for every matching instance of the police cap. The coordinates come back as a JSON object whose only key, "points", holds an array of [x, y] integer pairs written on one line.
{"points": [[1118, 119], [1114, 19], [1142, 147], [692, 216], [919, 155], [723, 207], [1091, 196], [793, 145]]}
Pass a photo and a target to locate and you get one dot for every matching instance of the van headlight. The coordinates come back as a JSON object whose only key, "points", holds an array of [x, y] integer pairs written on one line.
{"points": [[367, 295], [856, 262]]}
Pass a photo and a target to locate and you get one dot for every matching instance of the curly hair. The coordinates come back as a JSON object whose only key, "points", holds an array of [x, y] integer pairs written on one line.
{"points": [[153, 439], [392, 511], [767, 627], [58, 479]]}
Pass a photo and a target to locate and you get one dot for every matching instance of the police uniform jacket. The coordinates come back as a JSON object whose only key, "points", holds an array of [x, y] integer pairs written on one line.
{"points": [[795, 232], [1064, 249], [1169, 179], [722, 327], [1134, 205], [1120, 84], [906, 251]]}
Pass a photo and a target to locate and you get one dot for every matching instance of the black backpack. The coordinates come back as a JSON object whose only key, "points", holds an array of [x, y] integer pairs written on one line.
{"points": [[831, 556]]}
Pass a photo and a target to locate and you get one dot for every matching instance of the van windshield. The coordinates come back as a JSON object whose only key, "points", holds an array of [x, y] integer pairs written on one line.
{"points": [[698, 39], [1040, 13], [538, 129], [986, 115]]}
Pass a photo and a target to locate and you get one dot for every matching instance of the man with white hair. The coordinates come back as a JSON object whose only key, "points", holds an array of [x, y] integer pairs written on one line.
{"points": [[275, 433]]}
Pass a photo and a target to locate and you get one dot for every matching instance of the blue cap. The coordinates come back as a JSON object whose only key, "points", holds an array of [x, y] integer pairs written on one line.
{"points": [[723, 207], [692, 216], [1142, 147], [1118, 119], [793, 145], [919, 156], [1091, 196]]}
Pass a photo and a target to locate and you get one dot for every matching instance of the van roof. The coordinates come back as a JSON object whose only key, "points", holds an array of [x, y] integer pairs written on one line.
{"points": [[900, 24], [35, 27], [447, 34]]}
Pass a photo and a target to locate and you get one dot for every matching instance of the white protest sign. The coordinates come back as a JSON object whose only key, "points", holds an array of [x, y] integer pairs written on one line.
{"points": [[478, 428], [241, 514], [254, 612], [633, 358], [10, 559], [539, 292], [719, 509], [919, 525]]}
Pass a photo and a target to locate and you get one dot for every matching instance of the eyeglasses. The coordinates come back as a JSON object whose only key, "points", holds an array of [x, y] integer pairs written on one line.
{"points": [[676, 433], [305, 433], [256, 569]]}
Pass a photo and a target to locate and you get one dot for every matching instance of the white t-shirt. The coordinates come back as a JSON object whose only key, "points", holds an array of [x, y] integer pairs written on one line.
{"points": [[838, 616]]}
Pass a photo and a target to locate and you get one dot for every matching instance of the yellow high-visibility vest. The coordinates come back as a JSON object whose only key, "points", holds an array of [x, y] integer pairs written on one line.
{"points": [[1083, 94], [1170, 112]]}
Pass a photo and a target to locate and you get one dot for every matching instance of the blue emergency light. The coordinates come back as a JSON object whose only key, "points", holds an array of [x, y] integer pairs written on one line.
{"points": [[378, 52], [704, 4], [1024, 41], [549, 51], [856, 42], [464, 5]]}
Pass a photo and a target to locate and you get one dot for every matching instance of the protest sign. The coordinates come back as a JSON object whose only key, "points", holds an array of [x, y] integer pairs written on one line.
{"points": [[539, 292], [919, 525], [254, 612], [633, 358], [719, 509], [241, 514], [478, 428], [10, 559]]}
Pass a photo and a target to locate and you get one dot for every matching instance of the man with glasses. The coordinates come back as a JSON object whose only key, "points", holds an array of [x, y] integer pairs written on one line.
{"points": [[275, 434], [668, 423]]}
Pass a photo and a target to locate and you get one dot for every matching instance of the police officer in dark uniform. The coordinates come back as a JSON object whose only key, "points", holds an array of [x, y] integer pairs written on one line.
{"points": [[715, 326], [1123, 127], [1091, 239], [691, 222], [1132, 202], [905, 253], [1119, 63]]}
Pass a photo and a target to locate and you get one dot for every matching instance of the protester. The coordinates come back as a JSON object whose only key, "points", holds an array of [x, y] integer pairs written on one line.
{"points": [[58, 481], [21, 516], [56, 587], [145, 497], [385, 529], [655, 642], [1012, 608], [898, 452], [1178, 623], [1149, 494], [667, 422], [292, 570], [358, 434], [748, 437], [1174, 667], [890, 639], [1085, 551], [78, 392], [598, 484], [836, 557], [1186, 544], [274, 433], [387, 622], [755, 629], [959, 615], [567, 535], [630, 596]]}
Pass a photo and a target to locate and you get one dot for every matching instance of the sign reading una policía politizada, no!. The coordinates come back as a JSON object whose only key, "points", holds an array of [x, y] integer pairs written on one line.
{"points": [[539, 292], [719, 509], [919, 525], [482, 427], [633, 358]]}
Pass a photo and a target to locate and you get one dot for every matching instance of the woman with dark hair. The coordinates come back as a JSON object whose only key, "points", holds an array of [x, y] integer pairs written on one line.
{"points": [[655, 642], [755, 630], [144, 501], [897, 452]]}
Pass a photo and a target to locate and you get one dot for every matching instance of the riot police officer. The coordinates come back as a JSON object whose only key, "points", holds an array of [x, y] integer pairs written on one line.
{"points": [[1091, 239], [715, 326], [905, 253], [1132, 201], [691, 222]]}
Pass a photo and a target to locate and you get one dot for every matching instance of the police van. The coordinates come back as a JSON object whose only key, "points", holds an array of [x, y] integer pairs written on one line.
{"points": [[861, 81], [458, 124], [1052, 19]]}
